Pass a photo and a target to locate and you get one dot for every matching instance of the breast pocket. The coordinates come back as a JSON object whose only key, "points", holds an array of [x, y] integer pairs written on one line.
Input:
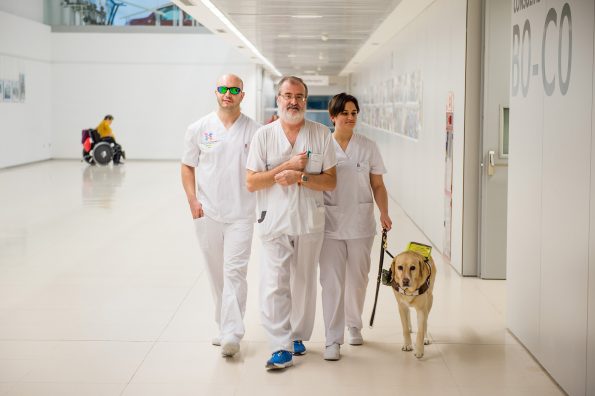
{"points": [[314, 165], [363, 166]]}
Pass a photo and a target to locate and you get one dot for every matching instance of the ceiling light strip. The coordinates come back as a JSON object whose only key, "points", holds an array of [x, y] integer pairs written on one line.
{"points": [[232, 27]]}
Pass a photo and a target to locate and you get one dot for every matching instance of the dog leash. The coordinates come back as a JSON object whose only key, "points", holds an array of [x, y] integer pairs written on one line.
{"points": [[379, 278]]}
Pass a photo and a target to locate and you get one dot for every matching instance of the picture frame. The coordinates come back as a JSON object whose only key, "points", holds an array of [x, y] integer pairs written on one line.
{"points": [[22, 87], [16, 92], [7, 91]]}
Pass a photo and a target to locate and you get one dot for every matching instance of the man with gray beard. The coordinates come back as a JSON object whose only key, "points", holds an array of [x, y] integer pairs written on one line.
{"points": [[290, 163]]}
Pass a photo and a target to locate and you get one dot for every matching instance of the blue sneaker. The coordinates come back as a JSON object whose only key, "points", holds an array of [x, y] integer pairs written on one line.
{"points": [[299, 348], [280, 360]]}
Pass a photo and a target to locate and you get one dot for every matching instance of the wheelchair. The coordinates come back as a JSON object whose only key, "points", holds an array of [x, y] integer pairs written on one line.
{"points": [[98, 151]]}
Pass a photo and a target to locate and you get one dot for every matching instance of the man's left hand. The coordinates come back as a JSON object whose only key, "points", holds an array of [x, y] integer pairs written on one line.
{"points": [[288, 177]]}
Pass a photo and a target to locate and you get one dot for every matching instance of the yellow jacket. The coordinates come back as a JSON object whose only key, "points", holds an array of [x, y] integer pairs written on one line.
{"points": [[104, 129]]}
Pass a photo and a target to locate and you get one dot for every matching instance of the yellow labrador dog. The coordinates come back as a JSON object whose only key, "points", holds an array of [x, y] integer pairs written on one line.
{"points": [[413, 282]]}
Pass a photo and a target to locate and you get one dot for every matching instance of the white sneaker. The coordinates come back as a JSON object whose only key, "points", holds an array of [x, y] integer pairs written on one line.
{"points": [[229, 349], [332, 352], [354, 336], [216, 341]]}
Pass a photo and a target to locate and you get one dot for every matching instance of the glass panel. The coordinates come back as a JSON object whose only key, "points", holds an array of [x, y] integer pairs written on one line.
{"points": [[115, 13], [318, 102], [504, 132], [321, 117]]}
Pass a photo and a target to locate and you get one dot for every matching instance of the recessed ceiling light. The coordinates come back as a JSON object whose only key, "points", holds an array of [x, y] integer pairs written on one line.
{"points": [[306, 16], [324, 37], [217, 12]]}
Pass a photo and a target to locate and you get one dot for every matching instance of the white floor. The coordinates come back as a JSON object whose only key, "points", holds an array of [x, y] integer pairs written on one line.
{"points": [[102, 293]]}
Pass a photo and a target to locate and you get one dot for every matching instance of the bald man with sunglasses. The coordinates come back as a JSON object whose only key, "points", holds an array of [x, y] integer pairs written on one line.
{"points": [[214, 178]]}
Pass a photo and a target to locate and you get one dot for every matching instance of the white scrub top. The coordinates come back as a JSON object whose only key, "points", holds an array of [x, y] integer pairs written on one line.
{"points": [[350, 206], [290, 210], [219, 156]]}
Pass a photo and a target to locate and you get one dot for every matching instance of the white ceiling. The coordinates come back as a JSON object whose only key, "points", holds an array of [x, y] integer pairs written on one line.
{"points": [[304, 36]]}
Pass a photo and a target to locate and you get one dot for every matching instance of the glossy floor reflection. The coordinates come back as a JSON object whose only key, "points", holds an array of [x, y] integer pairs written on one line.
{"points": [[102, 293]]}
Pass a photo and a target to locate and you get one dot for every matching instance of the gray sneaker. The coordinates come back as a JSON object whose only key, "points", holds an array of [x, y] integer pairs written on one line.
{"points": [[332, 352], [229, 349], [354, 336]]}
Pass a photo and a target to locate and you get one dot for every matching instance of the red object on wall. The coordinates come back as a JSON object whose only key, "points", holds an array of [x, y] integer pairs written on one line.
{"points": [[449, 121]]}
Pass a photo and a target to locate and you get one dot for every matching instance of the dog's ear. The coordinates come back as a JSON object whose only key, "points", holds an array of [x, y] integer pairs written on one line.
{"points": [[423, 267]]}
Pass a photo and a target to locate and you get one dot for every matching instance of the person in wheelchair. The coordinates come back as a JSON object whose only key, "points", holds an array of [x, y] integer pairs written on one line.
{"points": [[107, 135], [100, 146]]}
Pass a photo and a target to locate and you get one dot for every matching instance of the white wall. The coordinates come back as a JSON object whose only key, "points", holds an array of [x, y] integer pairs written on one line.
{"points": [[29, 9], [155, 85], [550, 192], [433, 44], [25, 127]]}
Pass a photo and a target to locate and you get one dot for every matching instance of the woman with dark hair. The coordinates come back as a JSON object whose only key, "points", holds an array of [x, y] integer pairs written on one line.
{"points": [[349, 226]]}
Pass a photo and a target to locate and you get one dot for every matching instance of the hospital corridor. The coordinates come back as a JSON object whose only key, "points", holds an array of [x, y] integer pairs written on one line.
{"points": [[103, 293], [191, 192]]}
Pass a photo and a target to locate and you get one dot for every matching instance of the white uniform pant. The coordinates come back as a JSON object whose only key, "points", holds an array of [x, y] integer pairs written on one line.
{"points": [[344, 268], [226, 251], [288, 288]]}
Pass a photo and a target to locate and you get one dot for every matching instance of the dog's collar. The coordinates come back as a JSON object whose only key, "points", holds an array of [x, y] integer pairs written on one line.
{"points": [[422, 289]]}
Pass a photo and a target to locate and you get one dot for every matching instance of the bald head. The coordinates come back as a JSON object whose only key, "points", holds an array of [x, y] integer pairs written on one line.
{"points": [[230, 80], [229, 99]]}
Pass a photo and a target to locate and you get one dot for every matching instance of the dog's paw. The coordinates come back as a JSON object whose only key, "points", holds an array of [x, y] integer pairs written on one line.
{"points": [[407, 348], [427, 341], [419, 354]]}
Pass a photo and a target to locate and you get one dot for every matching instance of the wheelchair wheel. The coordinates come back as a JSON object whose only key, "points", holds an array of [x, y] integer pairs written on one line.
{"points": [[102, 153]]}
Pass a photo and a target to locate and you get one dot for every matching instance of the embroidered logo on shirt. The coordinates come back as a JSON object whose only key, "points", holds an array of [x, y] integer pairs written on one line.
{"points": [[208, 140]]}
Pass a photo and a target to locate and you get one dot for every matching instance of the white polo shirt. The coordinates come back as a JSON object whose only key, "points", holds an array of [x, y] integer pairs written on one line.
{"points": [[219, 156], [290, 210], [350, 206]]}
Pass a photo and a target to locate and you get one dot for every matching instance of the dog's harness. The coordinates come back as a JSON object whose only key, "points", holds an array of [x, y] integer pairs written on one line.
{"points": [[421, 290], [386, 277]]}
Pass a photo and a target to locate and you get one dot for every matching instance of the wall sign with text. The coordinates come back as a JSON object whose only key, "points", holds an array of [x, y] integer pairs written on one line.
{"points": [[542, 49]]}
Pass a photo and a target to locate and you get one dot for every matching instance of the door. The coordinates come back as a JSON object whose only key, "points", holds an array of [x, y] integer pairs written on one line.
{"points": [[494, 140]]}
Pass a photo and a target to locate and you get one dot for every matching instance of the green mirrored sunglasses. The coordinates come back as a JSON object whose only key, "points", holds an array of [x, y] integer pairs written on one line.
{"points": [[232, 90]]}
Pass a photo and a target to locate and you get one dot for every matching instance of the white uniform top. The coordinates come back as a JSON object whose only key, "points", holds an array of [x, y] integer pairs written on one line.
{"points": [[290, 210], [350, 206], [219, 156]]}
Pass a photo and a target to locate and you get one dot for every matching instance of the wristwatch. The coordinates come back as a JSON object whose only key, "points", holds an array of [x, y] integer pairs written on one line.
{"points": [[304, 178]]}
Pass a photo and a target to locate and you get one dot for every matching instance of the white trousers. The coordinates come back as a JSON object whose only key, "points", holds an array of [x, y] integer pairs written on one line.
{"points": [[288, 288], [344, 268], [226, 251]]}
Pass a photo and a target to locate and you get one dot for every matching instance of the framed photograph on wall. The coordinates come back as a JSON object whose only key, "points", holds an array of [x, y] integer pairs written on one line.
{"points": [[22, 86], [7, 91], [16, 95]]}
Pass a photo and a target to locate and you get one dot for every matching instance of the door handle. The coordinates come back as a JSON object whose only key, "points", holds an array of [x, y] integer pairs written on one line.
{"points": [[491, 164]]}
